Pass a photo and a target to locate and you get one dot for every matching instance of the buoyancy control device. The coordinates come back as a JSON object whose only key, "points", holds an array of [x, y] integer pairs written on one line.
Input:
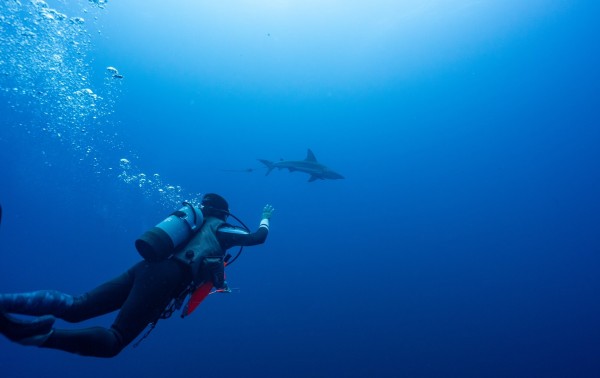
{"points": [[162, 240]]}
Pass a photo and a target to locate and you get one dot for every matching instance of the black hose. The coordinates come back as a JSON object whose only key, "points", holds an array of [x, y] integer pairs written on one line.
{"points": [[229, 262]]}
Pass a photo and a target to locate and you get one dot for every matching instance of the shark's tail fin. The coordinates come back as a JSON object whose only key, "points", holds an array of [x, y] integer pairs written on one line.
{"points": [[269, 165]]}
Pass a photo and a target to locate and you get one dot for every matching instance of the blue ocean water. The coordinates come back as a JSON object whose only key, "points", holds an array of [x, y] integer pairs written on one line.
{"points": [[463, 241]]}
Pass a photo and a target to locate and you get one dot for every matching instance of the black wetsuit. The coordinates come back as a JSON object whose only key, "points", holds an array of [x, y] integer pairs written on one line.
{"points": [[141, 294]]}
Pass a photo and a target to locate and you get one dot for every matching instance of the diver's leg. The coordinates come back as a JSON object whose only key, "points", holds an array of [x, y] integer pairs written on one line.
{"points": [[152, 291], [26, 332], [105, 298], [154, 286], [94, 341], [42, 302]]}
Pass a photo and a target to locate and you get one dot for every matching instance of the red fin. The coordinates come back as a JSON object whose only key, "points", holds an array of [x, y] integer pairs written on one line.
{"points": [[197, 297]]}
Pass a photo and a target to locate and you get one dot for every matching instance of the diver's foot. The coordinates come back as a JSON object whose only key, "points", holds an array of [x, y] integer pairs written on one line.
{"points": [[26, 332]]}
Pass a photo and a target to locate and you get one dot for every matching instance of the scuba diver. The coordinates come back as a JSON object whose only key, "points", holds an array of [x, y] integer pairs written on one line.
{"points": [[178, 262]]}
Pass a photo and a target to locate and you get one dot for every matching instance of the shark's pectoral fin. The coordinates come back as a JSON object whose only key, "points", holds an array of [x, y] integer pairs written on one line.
{"points": [[312, 178]]}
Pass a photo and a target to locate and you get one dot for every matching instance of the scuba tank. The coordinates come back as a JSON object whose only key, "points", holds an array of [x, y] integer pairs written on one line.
{"points": [[162, 240]]}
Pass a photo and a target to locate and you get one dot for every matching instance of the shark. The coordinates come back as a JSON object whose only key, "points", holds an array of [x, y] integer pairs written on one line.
{"points": [[310, 165]]}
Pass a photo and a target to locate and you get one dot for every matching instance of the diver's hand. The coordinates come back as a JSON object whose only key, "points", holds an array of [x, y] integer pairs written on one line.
{"points": [[267, 212]]}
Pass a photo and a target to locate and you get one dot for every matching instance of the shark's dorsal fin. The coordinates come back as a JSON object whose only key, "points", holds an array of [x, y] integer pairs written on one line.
{"points": [[310, 156]]}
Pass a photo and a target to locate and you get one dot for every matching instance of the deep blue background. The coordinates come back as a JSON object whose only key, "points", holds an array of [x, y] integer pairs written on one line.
{"points": [[464, 241]]}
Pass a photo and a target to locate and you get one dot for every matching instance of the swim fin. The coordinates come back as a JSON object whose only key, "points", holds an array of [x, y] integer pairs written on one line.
{"points": [[26, 332]]}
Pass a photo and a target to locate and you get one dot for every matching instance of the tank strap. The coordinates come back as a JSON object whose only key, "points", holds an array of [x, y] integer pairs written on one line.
{"points": [[152, 326]]}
